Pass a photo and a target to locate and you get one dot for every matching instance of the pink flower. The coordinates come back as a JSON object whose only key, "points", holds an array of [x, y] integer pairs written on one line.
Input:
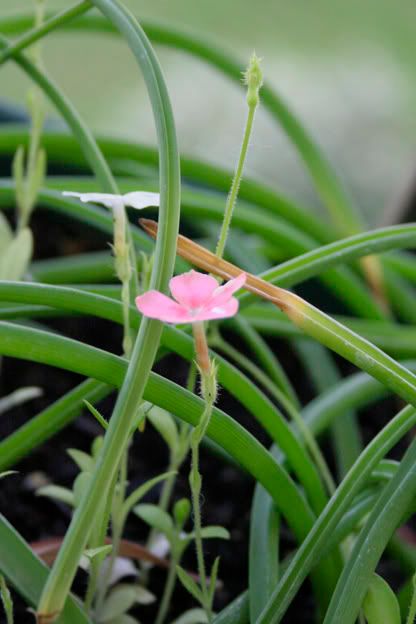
{"points": [[198, 298]]}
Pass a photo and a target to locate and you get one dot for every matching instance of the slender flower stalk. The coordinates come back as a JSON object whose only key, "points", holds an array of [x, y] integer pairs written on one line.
{"points": [[124, 253], [197, 298], [207, 370], [253, 79]]}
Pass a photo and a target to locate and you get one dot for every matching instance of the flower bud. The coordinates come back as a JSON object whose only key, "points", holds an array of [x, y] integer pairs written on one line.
{"points": [[253, 78], [181, 511]]}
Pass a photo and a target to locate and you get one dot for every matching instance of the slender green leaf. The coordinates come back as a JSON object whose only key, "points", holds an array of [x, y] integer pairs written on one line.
{"points": [[155, 518], [193, 616], [263, 551], [142, 490], [395, 500], [71, 355], [228, 376], [57, 492], [84, 461], [27, 573], [313, 546], [190, 584], [165, 425]]}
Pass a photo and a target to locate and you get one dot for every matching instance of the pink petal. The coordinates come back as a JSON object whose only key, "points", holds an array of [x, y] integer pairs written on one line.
{"points": [[158, 306], [192, 289], [223, 293], [213, 312]]}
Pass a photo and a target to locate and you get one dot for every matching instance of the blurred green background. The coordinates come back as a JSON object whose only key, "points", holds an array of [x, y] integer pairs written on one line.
{"points": [[346, 67]]}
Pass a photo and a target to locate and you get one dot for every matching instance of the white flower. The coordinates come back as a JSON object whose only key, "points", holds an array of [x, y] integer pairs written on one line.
{"points": [[136, 199]]}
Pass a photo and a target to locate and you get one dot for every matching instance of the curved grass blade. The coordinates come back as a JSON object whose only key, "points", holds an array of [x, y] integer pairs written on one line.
{"points": [[346, 435], [311, 549], [69, 354], [228, 376], [393, 504], [49, 421], [263, 551], [147, 342]]}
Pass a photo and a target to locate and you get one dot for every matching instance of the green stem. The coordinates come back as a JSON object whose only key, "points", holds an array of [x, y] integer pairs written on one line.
{"points": [[232, 197], [117, 520], [60, 579], [91, 588], [167, 592], [195, 481]]}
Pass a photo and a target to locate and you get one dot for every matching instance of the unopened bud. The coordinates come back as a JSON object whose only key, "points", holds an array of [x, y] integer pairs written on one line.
{"points": [[253, 78], [181, 511]]}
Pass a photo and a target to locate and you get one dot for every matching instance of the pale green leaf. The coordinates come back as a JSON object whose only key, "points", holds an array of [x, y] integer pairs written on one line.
{"points": [[142, 490], [213, 580], [81, 484], [98, 554], [380, 604], [36, 178], [189, 584], [212, 532], [164, 423], [19, 177], [84, 461], [144, 596], [6, 600], [96, 446], [97, 415], [121, 599], [155, 517], [193, 616], [15, 259], [57, 493], [6, 234]]}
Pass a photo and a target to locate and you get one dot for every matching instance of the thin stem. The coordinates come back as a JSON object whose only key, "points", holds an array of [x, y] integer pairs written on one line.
{"points": [[91, 588], [195, 481], [60, 578], [117, 520], [168, 591], [98, 539], [232, 197]]}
